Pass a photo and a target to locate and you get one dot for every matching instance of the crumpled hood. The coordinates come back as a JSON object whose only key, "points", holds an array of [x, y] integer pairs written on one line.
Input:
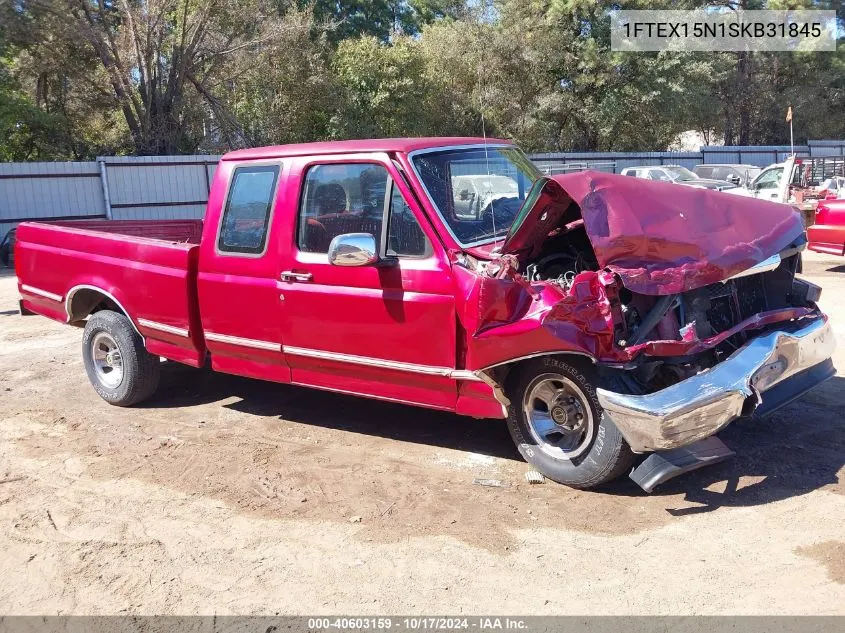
{"points": [[660, 238]]}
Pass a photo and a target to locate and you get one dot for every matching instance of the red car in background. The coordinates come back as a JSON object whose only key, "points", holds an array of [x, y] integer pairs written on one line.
{"points": [[827, 235]]}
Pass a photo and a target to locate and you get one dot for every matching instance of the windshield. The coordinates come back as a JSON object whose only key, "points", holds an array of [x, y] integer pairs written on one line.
{"points": [[681, 173], [752, 172], [477, 192]]}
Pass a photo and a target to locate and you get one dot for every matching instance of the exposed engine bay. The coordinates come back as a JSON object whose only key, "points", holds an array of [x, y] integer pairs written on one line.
{"points": [[652, 317], [563, 256]]}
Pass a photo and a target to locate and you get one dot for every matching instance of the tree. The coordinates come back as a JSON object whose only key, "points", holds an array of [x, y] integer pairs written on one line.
{"points": [[86, 77], [543, 74], [156, 57], [26, 131], [381, 18], [283, 91], [388, 90]]}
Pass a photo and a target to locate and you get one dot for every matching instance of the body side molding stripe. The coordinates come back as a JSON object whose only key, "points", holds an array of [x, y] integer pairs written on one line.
{"points": [[243, 342], [429, 370], [41, 293], [163, 327]]}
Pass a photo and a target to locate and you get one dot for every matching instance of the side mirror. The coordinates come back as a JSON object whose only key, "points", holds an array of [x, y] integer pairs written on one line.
{"points": [[734, 179], [353, 249]]}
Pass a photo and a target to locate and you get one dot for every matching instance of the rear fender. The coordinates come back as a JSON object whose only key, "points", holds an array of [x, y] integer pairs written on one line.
{"points": [[82, 299]]}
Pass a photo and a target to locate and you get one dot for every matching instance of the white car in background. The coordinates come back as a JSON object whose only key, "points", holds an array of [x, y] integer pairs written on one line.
{"points": [[676, 174], [737, 173], [832, 188], [473, 195]]}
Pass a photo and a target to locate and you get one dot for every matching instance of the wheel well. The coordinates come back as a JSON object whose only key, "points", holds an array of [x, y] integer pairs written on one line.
{"points": [[503, 374], [84, 302]]}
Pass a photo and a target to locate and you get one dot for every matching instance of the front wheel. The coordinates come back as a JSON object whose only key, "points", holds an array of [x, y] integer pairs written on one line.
{"points": [[559, 427], [118, 365]]}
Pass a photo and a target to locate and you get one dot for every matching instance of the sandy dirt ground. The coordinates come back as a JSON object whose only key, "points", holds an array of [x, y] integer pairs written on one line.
{"points": [[225, 495]]}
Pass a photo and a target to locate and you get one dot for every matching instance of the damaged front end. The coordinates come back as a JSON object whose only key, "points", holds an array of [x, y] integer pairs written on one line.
{"points": [[691, 294]]}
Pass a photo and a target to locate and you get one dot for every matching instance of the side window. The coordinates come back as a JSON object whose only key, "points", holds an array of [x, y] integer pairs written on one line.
{"points": [[769, 179], [354, 198], [706, 172], [249, 205], [338, 199], [657, 174], [405, 238]]}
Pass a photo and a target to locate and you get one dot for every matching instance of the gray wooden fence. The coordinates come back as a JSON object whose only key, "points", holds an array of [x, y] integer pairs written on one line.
{"points": [[759, 155], [176, 187], [119, 188]]}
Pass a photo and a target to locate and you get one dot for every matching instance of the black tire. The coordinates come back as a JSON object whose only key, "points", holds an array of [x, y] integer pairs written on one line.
{"points": [[140, 369], [603, 454]]}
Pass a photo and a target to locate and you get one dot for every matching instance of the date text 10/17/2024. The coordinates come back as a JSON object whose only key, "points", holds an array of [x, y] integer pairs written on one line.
{"points": [[417, 623]]}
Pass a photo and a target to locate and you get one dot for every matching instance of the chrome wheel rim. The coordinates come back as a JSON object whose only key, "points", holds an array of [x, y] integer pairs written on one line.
{"points": [[559, 416], [108, 365]]}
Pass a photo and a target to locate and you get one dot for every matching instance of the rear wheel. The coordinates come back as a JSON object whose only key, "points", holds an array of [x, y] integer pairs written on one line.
{"points": [[559, 427], [120, 369]]}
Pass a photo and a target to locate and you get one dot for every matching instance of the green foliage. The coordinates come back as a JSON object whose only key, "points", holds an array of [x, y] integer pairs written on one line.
{"points": [[381, 18], [384, 88], [284, 91], [82, 78], [26, 132]]}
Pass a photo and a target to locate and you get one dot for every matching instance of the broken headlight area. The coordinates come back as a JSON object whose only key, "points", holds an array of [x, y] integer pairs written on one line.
{"points": [[673, 337]]}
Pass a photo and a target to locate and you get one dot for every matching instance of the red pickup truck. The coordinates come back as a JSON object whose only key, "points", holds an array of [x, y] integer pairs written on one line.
{"points": [[602, 316], [827, 234]]}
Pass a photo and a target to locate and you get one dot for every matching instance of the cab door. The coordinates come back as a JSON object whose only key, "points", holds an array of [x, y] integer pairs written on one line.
{"points": [[386, 330], [237, 280], [767, 186]]}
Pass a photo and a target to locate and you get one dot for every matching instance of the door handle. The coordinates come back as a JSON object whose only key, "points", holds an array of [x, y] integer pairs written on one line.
{"points": [[289, 275]]}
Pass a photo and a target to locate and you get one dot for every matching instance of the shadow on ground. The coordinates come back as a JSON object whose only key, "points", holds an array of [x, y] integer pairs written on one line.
{"points": [[794, 451], [184, 387]]}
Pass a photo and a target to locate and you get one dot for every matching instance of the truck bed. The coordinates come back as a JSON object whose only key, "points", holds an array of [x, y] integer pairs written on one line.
{"points": [[182, 231], [146, 269]]}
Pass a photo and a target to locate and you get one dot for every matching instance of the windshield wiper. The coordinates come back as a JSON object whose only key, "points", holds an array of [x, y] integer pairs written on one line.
{"points": [[484, 236]]}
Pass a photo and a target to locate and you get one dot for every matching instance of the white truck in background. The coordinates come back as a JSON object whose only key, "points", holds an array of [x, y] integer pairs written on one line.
{"points": [[801, 182], [770, 183]]}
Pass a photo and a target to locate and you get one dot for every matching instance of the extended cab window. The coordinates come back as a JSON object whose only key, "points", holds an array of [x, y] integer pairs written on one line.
{"points": [[246, 217], [354, 198]]}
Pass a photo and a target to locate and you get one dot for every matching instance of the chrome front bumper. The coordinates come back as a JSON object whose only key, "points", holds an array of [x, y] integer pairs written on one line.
{"points": [[700, 406]]}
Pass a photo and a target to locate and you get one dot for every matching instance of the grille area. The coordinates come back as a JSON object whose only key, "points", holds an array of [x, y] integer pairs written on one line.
{"points": [[721, 306]]}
